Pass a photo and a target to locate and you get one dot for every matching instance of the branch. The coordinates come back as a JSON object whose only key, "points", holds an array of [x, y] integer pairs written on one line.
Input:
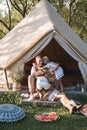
{"points": [[9, 14], [15, 5], [70, 13], [8, 27], [2, 32], [5, 24], [24, 5]]}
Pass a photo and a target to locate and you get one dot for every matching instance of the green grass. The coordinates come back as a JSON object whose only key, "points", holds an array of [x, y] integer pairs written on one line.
{"points": [[67, 121]]}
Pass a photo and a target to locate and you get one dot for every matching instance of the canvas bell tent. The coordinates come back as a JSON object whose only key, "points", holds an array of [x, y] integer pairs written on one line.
{"points": [[43, 31]]}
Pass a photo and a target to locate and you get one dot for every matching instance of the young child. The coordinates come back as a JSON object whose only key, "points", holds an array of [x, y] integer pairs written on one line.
{"points": [[57, 70], [42, 83]]}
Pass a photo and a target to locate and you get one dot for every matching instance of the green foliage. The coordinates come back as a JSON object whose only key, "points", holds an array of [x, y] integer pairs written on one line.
{"points": [[79, 23], [11, 97], [78, 15], [18, 75]]}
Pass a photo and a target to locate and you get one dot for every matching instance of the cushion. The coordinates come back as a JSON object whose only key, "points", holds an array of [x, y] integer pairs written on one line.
{"points": [[46, 117], [11, 113], [84, 110]]}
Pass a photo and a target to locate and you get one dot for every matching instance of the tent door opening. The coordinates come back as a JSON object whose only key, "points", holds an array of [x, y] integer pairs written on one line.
{"points": [[56, 53]]}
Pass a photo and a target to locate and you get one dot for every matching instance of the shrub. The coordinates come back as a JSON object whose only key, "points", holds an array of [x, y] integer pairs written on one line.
{"points": [[11, 97]]}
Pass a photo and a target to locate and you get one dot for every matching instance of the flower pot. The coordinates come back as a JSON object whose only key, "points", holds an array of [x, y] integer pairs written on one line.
{"points": [[16, 86]]}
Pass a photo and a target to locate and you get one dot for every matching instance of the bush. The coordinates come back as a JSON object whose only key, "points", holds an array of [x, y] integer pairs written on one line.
{"points": [[11, 97]]}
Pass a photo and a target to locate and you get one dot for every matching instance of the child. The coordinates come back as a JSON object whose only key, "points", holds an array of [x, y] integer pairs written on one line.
{"points": [[57, 70], [42, 83]]}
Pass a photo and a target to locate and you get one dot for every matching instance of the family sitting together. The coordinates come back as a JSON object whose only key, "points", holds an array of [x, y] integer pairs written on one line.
{"points": [[45, 82]]}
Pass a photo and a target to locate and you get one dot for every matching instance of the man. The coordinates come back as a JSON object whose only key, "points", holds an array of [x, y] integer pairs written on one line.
{"points": [[34, 73]]}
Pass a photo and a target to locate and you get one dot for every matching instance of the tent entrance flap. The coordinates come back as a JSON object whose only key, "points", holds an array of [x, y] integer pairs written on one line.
{"points": [[71, 51], [37, 49], [83, 69]]}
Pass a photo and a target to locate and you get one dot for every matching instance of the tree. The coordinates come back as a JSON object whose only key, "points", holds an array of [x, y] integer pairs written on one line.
{"points": [[79, 23], [17, 10], [7, 25], [23, 6], [75, 14], [71, 11]]}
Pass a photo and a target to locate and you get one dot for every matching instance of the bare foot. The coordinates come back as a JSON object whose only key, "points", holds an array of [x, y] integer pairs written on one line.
{"points": [[72, 109], [40, 98], [78, 106], [44, 99]]}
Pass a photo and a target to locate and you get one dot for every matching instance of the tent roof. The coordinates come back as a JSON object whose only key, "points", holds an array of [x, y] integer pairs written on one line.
{"points": [[42, 20]]}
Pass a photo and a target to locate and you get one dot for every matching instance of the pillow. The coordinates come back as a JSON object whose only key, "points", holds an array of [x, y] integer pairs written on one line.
{"points": [[46, 117], [84, 110]]}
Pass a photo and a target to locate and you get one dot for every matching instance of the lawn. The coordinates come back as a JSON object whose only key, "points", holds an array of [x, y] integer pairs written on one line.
{"points": [[67, 121]]}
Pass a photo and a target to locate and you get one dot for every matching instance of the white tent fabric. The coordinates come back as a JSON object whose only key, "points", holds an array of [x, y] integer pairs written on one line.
{"points": [[34, 33], [81, 64], [33, 52], [83, 69], [24, 36], [66, 47]]}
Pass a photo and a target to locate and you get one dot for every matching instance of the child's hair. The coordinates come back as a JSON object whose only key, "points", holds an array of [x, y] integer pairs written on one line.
{"points": [[38, 56], [47, 71], [45, 59], [34, 60], [34, 64]]}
